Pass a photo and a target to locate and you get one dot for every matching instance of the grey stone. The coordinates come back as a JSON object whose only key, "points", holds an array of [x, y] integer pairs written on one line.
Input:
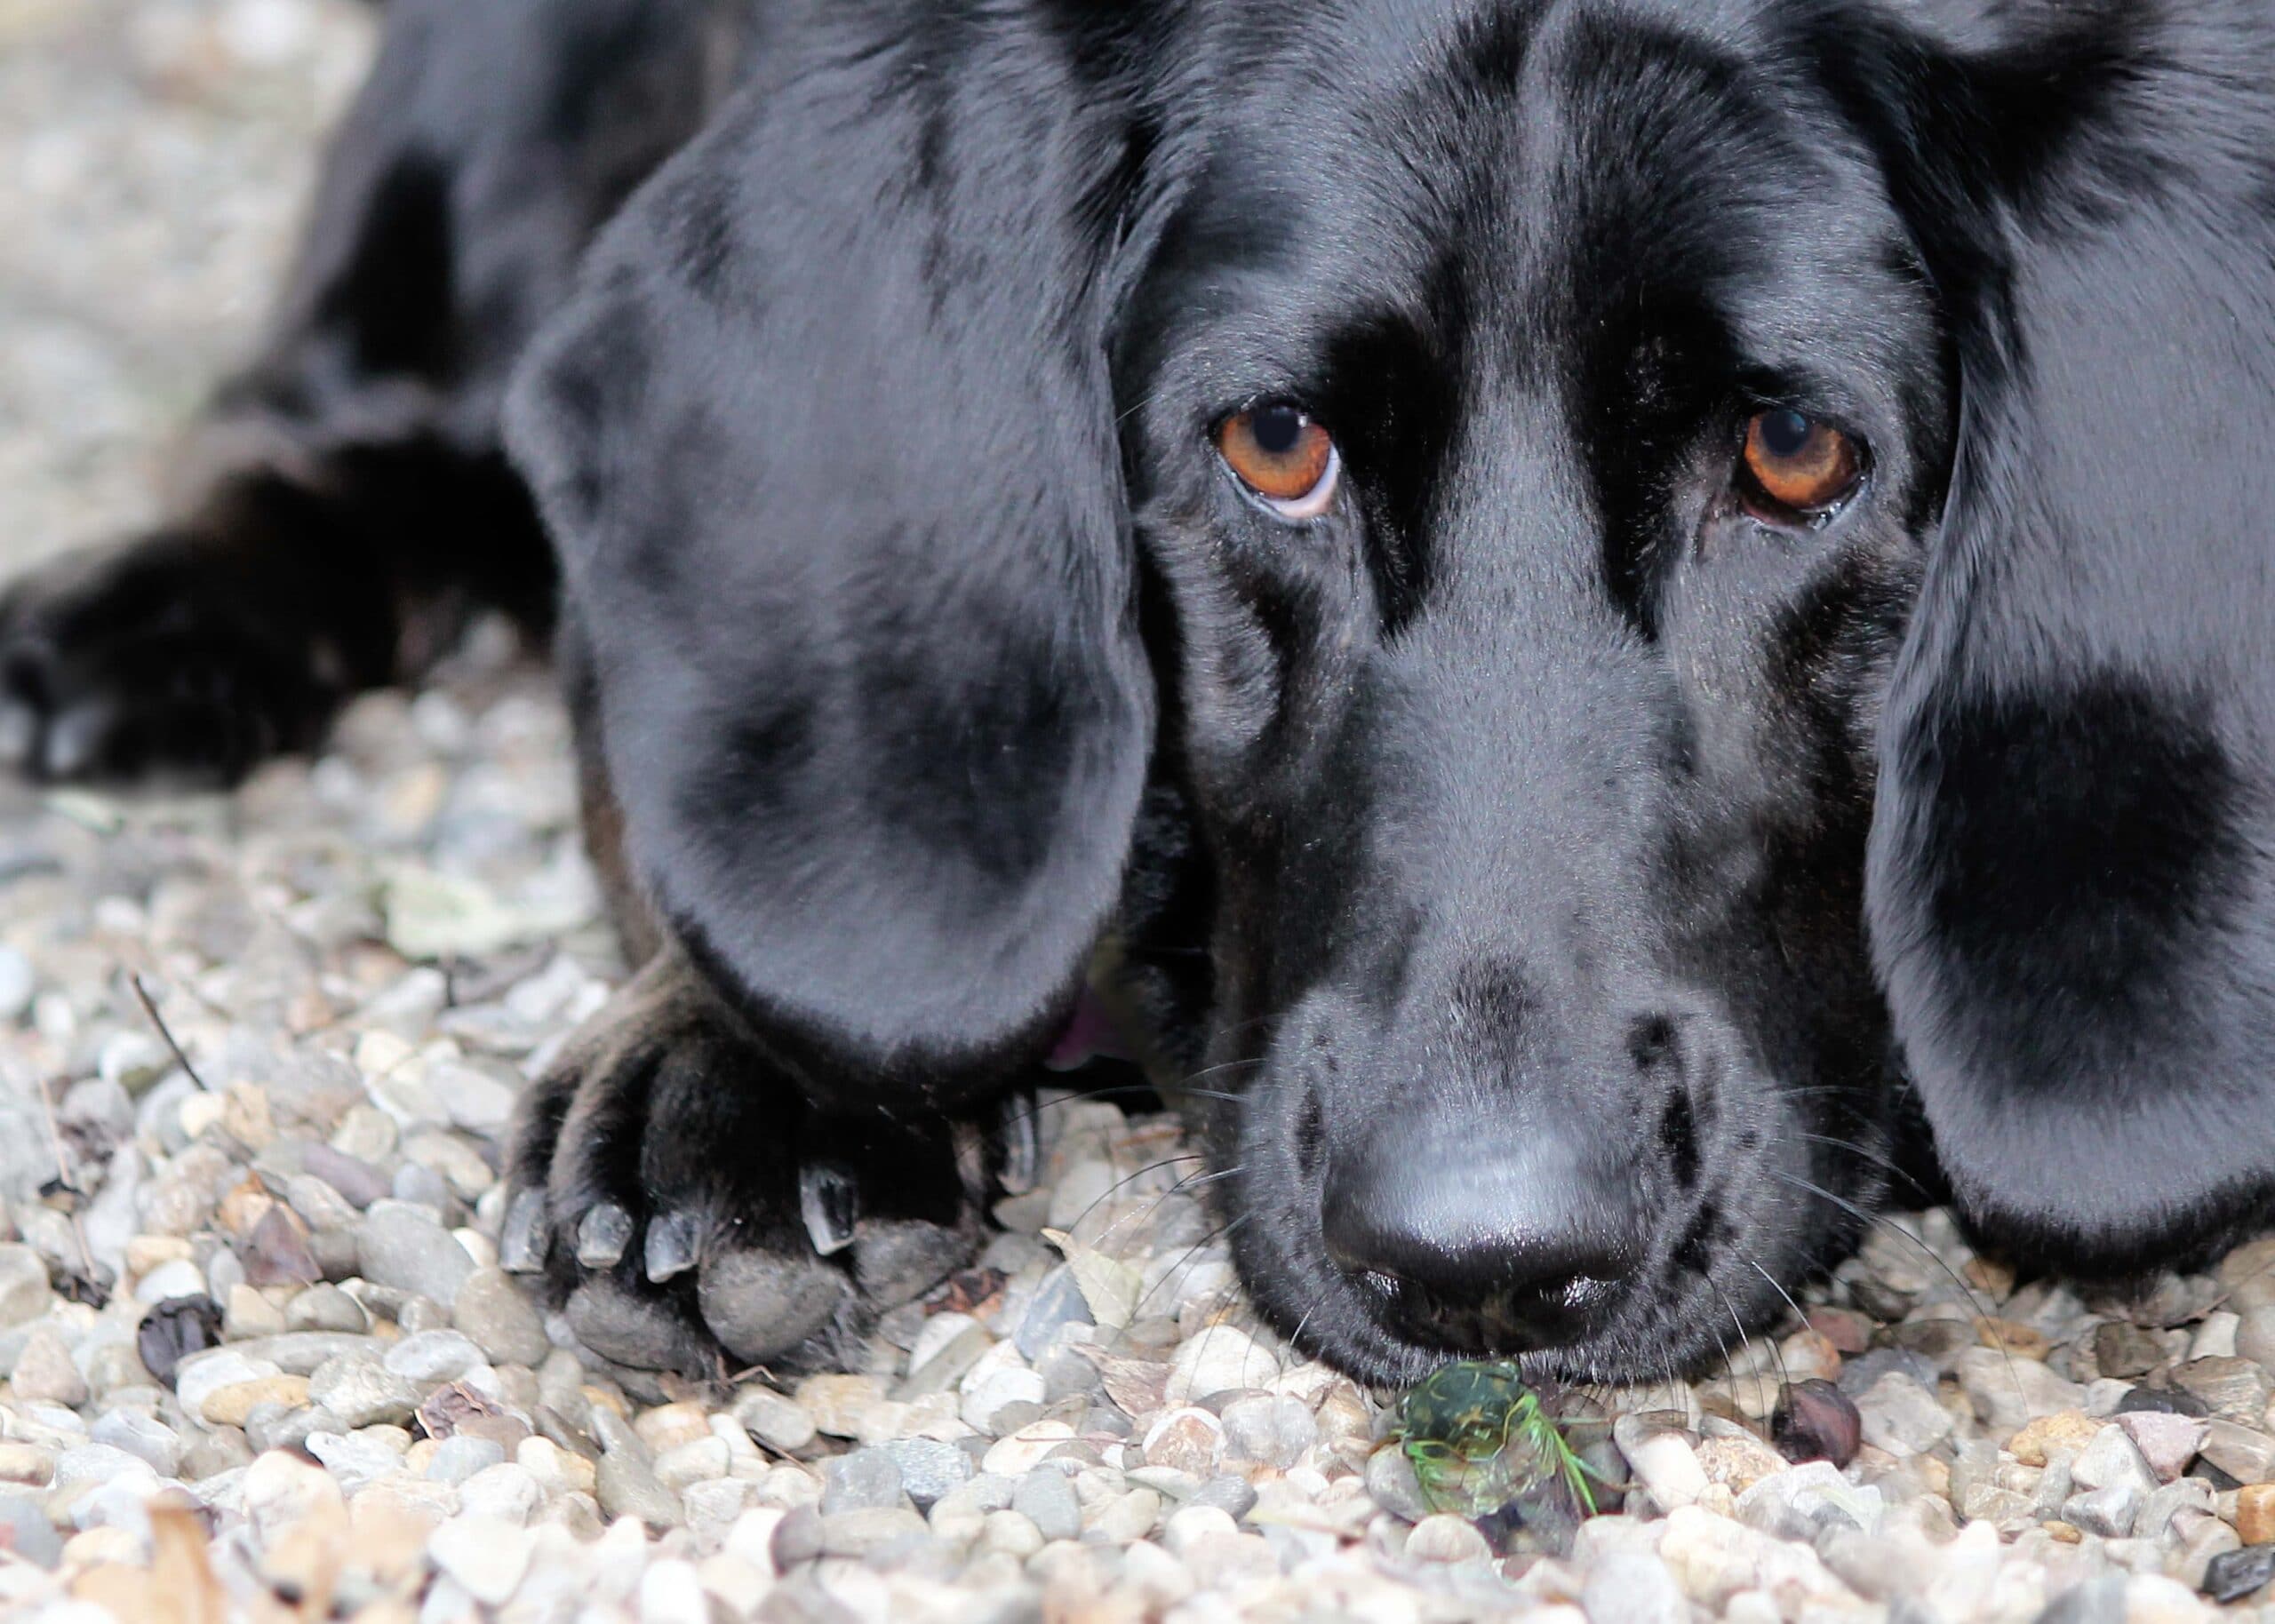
{"points": [[460, 1456], [326, 1307], [140, 1435], [1273, 1431], [2096, 1601], [1393, 1485], [928, 1468], [25, 1528], [502, 1321], [2169, 1501], [2233, 1390], [1902, 1416], [1235, 1497], [981, 1493], [2110, 1461], [1058, 1301], [432, 1356], [773, 1420], [275, 1426], [860, 1481], [626, 1487], [870, 1531], [2255, 1336], [355, 1459], [2245, 1454], [1801, 1502], [1046, 1498], [25, 1292], [401, 1245], [361, 1392], [2108, 1512]]}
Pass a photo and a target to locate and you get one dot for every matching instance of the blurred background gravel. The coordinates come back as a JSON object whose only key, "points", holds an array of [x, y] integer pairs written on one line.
{"points": [[155, 155]]}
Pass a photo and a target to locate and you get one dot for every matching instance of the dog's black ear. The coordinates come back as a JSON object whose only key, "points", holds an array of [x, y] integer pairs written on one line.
{"points": [[827, 446], [2072, 881]]}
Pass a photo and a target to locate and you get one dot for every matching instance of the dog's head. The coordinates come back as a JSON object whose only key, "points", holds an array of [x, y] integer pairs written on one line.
{"points": [[1589, 506]]}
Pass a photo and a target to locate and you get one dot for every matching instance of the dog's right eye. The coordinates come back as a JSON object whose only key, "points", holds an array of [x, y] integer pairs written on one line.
{"points": [[1282, 455]]}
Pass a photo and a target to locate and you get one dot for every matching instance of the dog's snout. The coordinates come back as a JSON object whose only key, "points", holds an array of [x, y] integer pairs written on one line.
{"points": [[1479, 1242]]}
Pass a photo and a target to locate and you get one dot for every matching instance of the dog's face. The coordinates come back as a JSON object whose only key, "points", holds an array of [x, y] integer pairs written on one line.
{"points": [[1537, 446], [1673, 558]]}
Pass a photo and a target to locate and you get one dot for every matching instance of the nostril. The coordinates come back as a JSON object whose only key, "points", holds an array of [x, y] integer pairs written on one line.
{"points": [[1653, 1042]]}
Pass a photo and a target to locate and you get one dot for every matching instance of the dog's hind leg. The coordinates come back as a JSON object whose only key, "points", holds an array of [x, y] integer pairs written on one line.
{"points": [[349, 503]]}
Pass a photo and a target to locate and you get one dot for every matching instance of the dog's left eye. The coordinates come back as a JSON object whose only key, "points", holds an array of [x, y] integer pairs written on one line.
{"points": [[1284, 456], [1799, 463]]}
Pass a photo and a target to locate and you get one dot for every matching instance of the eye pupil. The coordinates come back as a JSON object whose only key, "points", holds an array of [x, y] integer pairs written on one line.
{"points": [[1277, 429], [1785, 433]]}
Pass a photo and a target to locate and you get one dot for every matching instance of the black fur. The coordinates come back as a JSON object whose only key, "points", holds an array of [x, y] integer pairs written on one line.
{"points": [[1535, 848]]}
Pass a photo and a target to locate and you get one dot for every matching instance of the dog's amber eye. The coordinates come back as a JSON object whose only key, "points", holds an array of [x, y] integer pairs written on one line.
{"points": [[1799, 463], [1283, 455]]}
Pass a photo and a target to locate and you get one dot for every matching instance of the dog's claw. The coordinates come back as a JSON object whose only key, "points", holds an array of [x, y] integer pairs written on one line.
{"points": [[1014, 1134], [521, 1241], [671, 1248], [602, 1236], [830, 1202]]}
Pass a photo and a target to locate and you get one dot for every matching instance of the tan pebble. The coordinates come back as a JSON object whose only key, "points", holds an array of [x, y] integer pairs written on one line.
{"points": [[1739, 1462], [229, 1405], [31, 1464], [554, 1467], [1935, 1474], [2013, 1337], [2063, 1430], [247, 1203], [419, 1455], [2062, 1532], [668, 1426], [1992, 1279], [602, 1396], [199, 1112], [304, 1561], [735, 1582], [392, 1519], [699, 1459], [248, 1313], [95, 1547], [1444, 1538], [145, 1253], [2255, 1517], [1717, 1498], [1012, 1533]]}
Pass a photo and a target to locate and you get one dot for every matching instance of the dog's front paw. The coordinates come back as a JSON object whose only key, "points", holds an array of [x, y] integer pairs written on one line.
{"points": [[158, 659], [692, 1212]]}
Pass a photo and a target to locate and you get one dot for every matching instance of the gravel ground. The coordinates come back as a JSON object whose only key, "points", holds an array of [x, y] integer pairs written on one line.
{"points": [[259, 1361]]}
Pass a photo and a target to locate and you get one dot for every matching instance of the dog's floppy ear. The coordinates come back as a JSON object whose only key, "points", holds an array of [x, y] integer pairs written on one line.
{"points": [[827, 447], [2072, 881]]}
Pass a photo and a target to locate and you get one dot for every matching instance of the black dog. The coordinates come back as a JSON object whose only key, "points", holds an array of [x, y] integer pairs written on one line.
{"points": [[1493, 547]]}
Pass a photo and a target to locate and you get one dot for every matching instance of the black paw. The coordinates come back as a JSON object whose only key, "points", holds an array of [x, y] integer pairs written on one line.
{"points": [[158, 659], [692, 1212]]}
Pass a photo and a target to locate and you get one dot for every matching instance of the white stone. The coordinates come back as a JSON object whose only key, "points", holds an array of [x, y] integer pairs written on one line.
{"points": [[485, 1554]]}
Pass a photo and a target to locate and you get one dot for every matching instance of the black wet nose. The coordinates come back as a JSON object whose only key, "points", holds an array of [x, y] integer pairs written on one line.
{"points": [[1482, 1242]]}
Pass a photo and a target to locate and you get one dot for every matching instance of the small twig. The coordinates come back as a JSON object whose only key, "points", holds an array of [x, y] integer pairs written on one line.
{"points": [[150, 1008]]}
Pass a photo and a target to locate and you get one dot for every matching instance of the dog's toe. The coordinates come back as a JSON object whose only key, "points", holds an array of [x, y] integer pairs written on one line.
{"points": [[689, 1211]]}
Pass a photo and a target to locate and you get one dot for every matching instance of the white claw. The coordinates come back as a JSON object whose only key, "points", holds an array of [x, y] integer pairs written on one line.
{"points": [[830, 1203], [601, 1235]]}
